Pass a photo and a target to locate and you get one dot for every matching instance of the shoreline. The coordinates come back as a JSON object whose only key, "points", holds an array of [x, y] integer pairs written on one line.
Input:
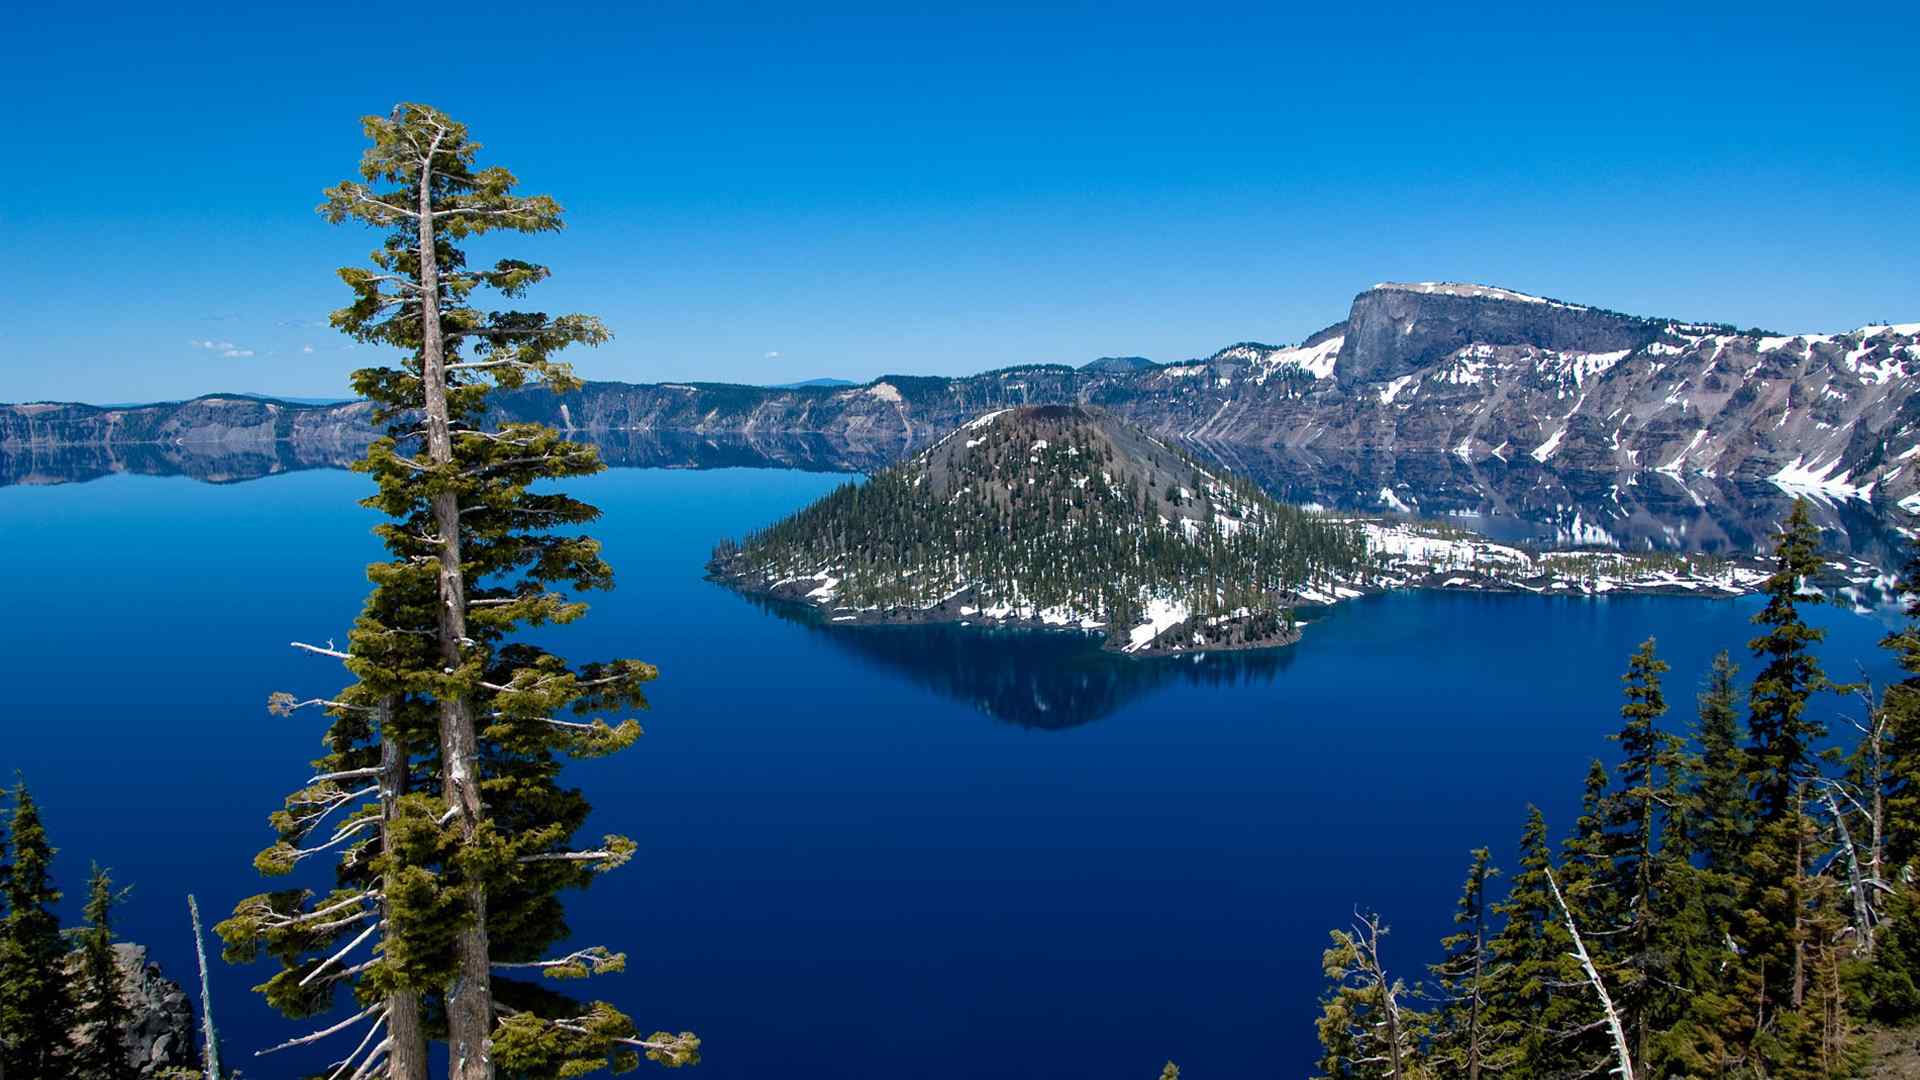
{"points": [[956, 610], [815, 595], [1408, 556]]}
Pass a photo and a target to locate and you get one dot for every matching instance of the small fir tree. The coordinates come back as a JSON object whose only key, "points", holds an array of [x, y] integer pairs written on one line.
{"points": [[1782, 736], [1720, 811], [1464, 1042], [1773, 925], [1639, 878], [102, 1015], [36, 1008]]}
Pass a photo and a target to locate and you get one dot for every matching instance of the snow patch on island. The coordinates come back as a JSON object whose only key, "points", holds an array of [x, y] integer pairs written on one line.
{"points": [[1161, 616]]}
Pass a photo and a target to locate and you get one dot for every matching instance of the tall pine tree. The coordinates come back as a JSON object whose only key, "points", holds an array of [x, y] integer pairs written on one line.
{"points": [[460, 729], [1642, 814], [1720, 811], [1465, 1042], [102, 1015], [36, 1007], [1893, 980], [1901, 704], [1782, 736], [1707, 1032], [1535, 992], [1781, 765]]}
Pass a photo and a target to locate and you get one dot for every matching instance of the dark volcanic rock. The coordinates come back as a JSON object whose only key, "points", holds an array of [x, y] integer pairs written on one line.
{"points": [[160, 1039], [1396, 329]]}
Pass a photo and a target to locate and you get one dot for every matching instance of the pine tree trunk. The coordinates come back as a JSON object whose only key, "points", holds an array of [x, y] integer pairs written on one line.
{"points": [[1799, 928], [470, 998], [1473, 1007], [407, 1058], [1644, 918]]}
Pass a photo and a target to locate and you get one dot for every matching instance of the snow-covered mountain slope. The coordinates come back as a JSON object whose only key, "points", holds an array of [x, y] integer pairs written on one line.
{"points": [[1483, 373]]}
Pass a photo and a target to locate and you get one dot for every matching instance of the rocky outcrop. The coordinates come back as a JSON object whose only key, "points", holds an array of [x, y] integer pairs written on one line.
{"points": [[1420, 369], [160, 1038], [1396, 329], [216, 420]]}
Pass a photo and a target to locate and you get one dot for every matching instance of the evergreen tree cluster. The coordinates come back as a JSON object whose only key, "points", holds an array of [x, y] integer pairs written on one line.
{"points": [[1056, 507], [1728, 903], [63, 1010]]}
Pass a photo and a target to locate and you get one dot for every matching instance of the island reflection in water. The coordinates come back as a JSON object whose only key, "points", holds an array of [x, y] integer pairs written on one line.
{"points": [[1047, 680]]}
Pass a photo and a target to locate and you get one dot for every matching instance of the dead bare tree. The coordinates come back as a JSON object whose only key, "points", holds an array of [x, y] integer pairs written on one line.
{"points": [[1623, 1057], [1366, 1008]]}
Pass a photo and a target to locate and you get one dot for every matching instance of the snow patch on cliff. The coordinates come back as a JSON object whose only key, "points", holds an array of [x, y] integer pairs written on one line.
{"points": [[1316, 360]]}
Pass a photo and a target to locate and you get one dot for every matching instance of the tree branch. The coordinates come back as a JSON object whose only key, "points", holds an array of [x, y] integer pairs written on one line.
{"points": [[336, 957], [379, 1007], [1625, 1066], [317, 650]]}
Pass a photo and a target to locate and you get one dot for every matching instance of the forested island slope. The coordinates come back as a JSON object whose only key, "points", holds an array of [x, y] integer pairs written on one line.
{"points": [[1068, 516], [1055, 515]]}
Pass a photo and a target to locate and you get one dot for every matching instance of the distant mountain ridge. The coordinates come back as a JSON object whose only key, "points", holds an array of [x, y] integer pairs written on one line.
{"points": [[1119, 363], [1473, 371], [804, 383]]}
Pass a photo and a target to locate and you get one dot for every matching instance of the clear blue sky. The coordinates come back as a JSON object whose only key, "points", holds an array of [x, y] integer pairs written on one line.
{"points": [[766, 194]]}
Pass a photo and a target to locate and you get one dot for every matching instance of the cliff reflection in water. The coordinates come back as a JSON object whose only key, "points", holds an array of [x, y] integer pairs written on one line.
{"points": [[1522, 501], [1517, 501], [1044, 679], [233, 462]]}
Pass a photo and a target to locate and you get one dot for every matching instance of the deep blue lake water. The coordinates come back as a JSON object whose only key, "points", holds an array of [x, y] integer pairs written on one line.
{"points": [[863, 852]]}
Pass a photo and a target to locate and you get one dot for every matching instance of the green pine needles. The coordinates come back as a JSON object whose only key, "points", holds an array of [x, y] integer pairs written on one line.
{"points": [[439, 801], [1064, 510], [102, 1017], [36, 1001], [63, 1005], [1733, 902]]}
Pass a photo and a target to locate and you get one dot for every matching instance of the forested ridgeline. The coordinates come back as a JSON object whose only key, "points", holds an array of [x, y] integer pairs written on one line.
{"points": [[1736, 899], [1053, 507]]}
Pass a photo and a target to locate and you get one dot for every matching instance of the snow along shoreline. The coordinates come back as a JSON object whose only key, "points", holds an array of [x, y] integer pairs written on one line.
{"points": [[1403, 555]]}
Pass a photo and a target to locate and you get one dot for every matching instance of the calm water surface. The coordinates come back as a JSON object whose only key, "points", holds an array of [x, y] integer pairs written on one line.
{"points": [[863, 852]]}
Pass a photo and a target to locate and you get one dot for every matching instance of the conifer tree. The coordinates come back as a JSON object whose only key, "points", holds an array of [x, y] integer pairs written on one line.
{"points": [[1623, 1065], [1901, 706], [1893, 981], [1464, 1042], [1639, 877], [36, 1007], [1781, 766], [1720, 811], [1533, 993], [1780, 754], [102, 1017], [454, 733], [1367, 1032], [1586, 855]]}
